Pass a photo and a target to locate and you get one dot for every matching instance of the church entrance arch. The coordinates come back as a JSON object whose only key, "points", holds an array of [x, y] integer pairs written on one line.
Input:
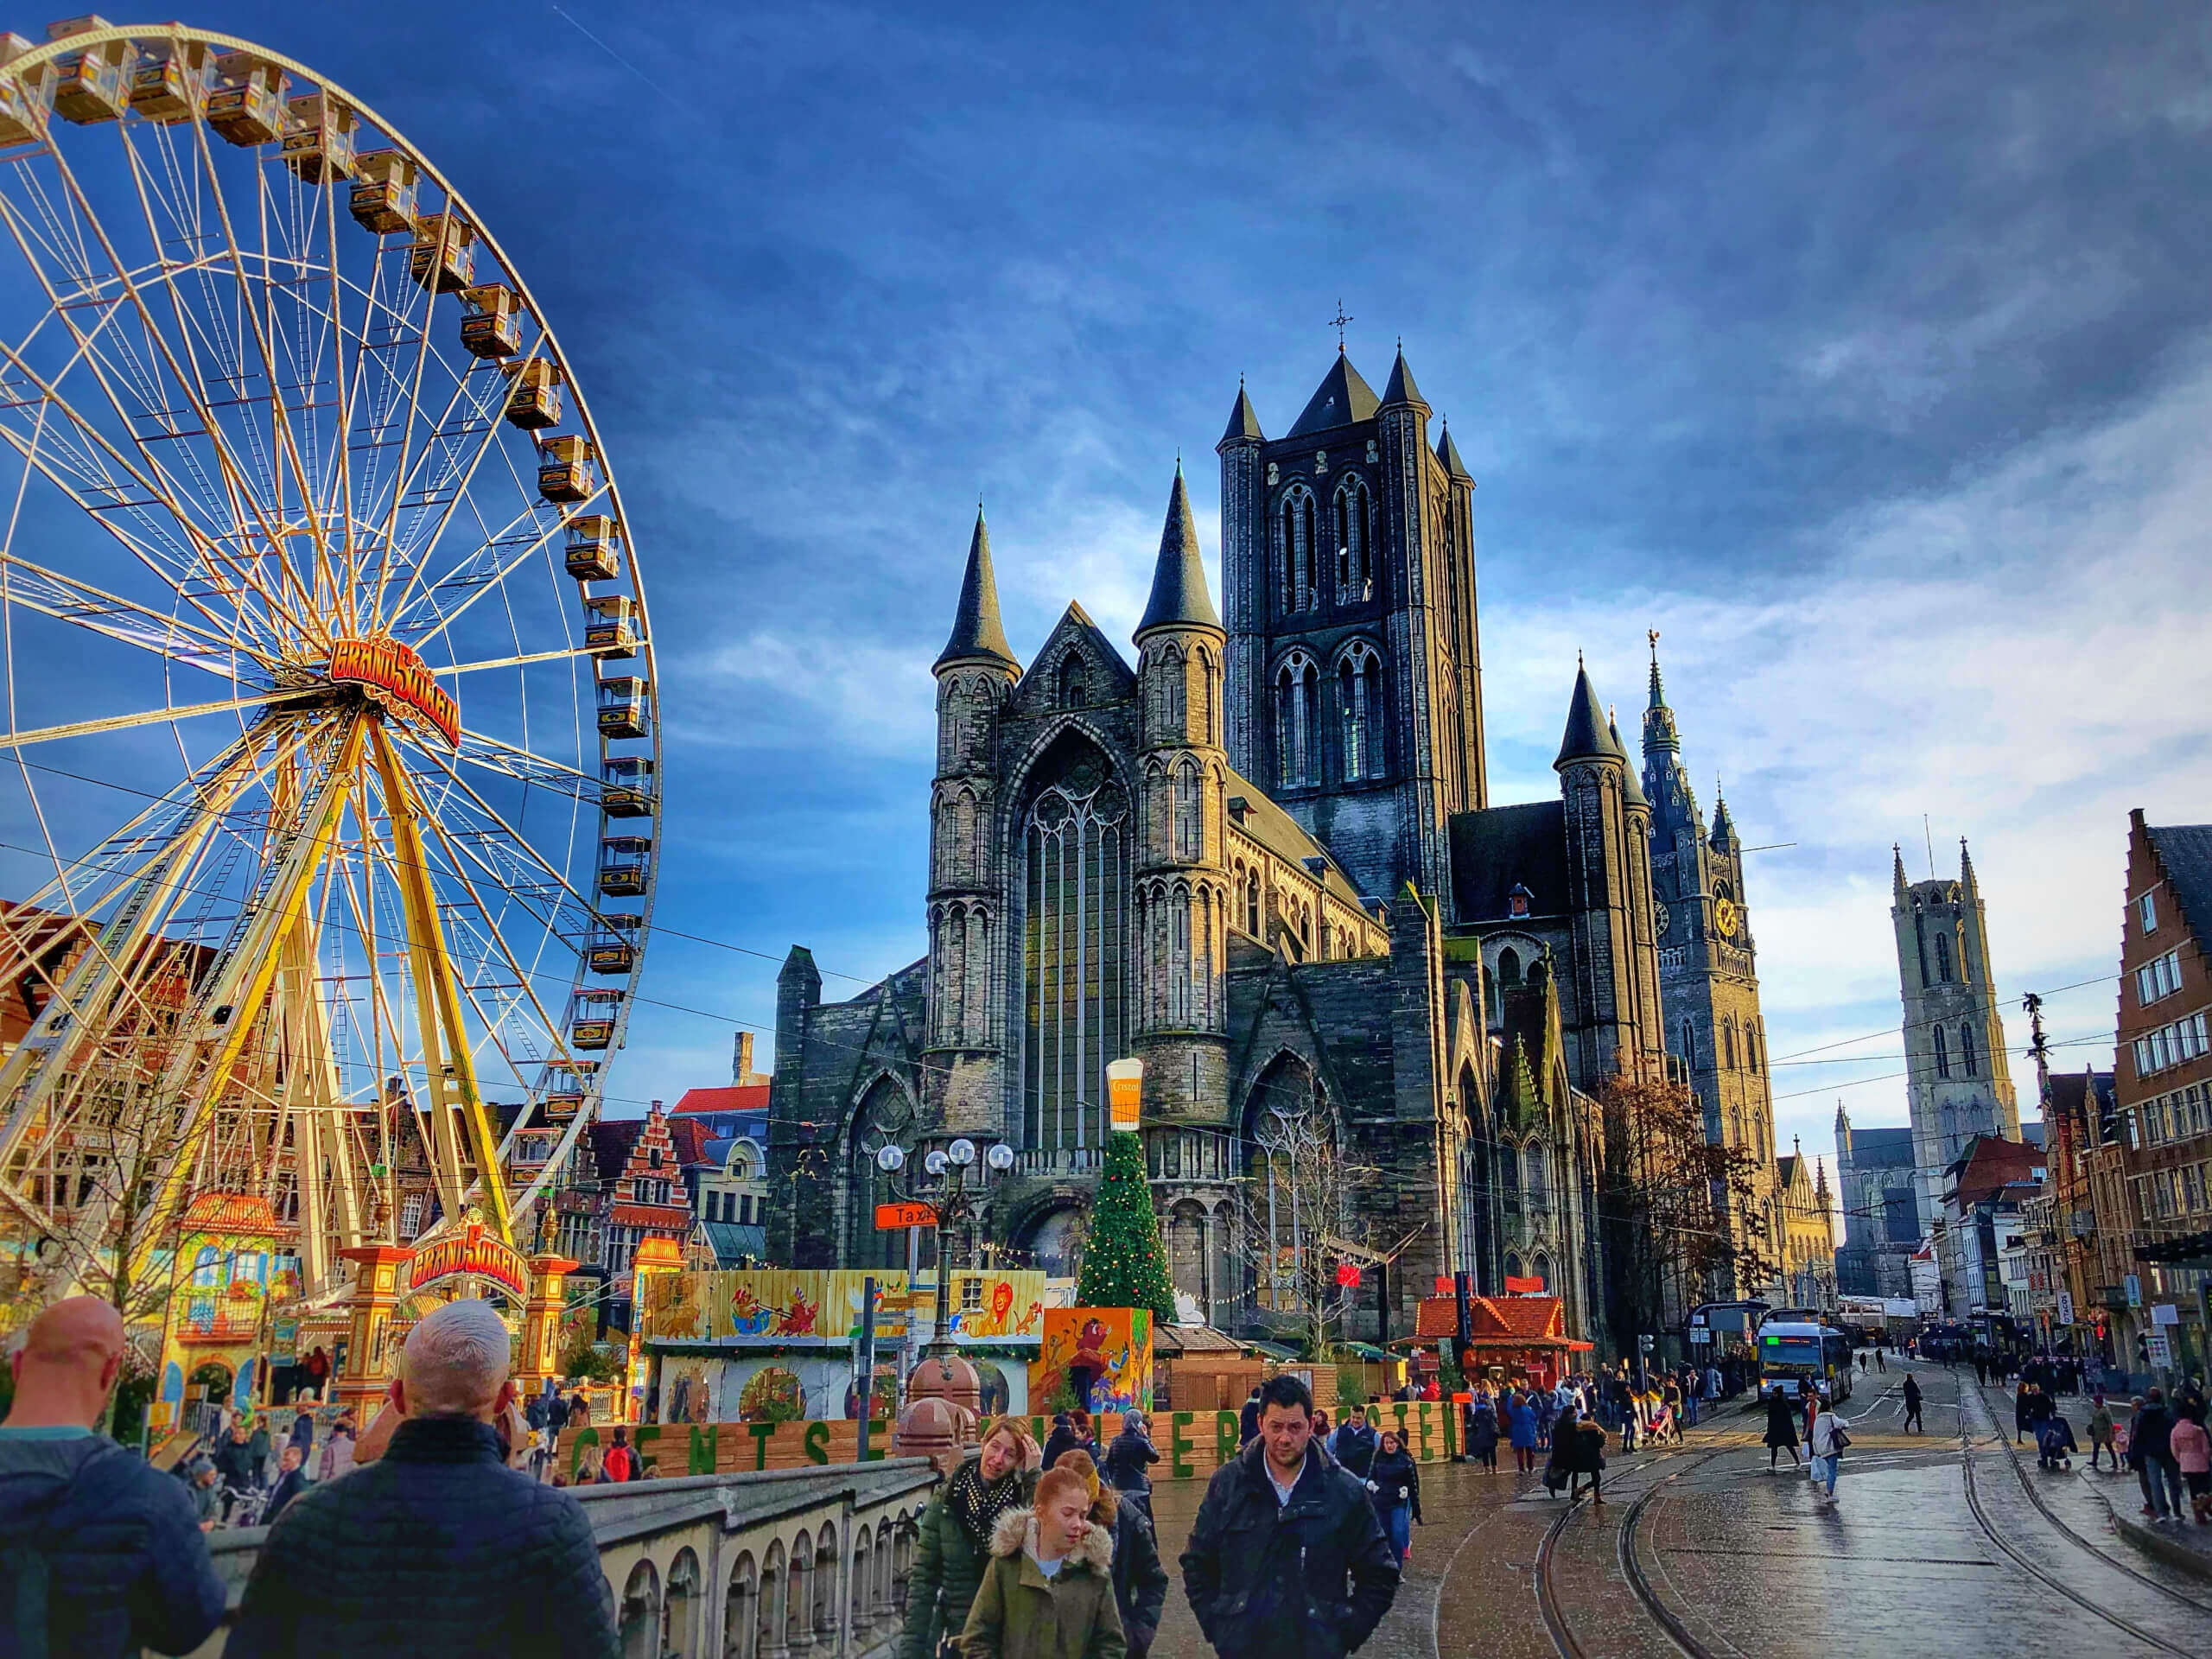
{"points": [[885, 1117]]}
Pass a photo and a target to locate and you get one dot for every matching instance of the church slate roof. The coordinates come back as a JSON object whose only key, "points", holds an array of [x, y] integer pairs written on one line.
{"points": [[977, 634], [1402, 389], [1587, 737], [1341, 399], [1631, 789], [2185, 850], [1178, 578], [1501, 847], [1883, 1148], [1280, 834], [1447, 456], [1243, 420]]}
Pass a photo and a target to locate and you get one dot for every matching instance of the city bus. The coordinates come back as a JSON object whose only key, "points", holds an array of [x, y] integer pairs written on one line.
{"points": [[1797, 1353]]}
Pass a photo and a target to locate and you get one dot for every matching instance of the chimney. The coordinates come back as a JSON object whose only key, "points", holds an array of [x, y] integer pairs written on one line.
{"points": [[741, 1066]]}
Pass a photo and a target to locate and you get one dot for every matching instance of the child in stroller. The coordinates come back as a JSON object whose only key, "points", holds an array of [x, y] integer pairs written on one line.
{"points": [[2055, 1447]]}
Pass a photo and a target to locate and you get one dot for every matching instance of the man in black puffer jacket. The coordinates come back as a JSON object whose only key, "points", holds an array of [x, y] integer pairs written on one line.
{"points": [[437, 1548], [1286, 1560], [101, 1554]]}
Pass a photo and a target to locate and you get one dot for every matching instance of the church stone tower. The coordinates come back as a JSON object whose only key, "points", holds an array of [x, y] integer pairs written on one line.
{"points": [[1609, 893], [1353, 673], [963, 1085], [1957, 1082], [1182, 895], [1708, 965]]}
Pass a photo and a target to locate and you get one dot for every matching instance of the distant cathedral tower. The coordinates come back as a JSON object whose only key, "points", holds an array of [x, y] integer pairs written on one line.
{"points": [[1354, 674], [1957, 1082], [1708, 965]]}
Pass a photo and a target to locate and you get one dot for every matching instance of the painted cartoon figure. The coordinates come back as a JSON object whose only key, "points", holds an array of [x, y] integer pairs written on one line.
{"points": [[799, 1319], [749, 1316]]}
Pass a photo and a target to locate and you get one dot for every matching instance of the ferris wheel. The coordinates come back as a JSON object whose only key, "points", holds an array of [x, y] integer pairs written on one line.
{"points": [[327, 786]]}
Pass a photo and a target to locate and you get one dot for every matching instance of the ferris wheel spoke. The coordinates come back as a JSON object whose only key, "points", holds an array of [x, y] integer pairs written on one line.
{"points": [[531, 876], [145, 717], [67, 599], [479, 749], [498, 555]]}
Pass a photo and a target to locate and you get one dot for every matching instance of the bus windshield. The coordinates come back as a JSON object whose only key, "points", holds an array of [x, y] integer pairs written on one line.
{"points": [[1790, 1351]]}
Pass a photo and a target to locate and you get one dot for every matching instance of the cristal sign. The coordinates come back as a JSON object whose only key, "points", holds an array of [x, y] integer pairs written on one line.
{"points": [[1125, 1089]]}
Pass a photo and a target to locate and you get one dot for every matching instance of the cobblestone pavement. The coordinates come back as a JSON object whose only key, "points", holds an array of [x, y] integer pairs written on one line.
{"points": [[1937, 1546]]}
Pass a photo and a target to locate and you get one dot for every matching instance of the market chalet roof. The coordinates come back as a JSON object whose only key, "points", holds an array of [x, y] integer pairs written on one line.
{"points": [[1525, 1319]]}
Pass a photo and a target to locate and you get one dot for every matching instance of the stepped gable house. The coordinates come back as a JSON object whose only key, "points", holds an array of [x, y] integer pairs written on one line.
{"points": [[1263, 858]]}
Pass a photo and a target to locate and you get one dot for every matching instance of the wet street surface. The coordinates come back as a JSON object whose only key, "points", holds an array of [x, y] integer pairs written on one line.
{"points": [[1937, 1545]]}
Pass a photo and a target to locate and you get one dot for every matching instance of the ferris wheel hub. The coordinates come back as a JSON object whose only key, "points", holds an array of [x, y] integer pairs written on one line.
{"points": [[397, 676]]}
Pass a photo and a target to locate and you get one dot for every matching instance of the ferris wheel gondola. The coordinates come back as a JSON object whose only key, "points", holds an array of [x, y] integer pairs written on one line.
{"points": [[328, 672]]}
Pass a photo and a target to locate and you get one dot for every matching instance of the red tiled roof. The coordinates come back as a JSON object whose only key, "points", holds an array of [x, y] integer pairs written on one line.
{"points": [[232, 1212], [689, 1139], [739, 1097], [1536, 1319], [661, 1217]]}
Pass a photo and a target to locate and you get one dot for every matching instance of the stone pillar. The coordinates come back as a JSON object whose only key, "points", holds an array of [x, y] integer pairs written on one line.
{"points": [[368, 1369], [540, 1357]]}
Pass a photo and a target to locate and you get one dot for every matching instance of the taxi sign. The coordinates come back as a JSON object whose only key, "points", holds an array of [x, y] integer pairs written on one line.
{"points": [[895, 1218]]}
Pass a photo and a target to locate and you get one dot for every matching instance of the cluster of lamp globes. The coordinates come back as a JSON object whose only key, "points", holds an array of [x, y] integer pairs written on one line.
{"points": [[1124, 1087]]}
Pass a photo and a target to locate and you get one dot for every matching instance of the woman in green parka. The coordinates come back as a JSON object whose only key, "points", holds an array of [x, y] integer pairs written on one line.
{"points": [[955, 1546]]}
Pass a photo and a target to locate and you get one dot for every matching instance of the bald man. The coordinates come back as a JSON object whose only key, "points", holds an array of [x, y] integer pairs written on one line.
{"points": [[111, 1545], [436, 1548]]}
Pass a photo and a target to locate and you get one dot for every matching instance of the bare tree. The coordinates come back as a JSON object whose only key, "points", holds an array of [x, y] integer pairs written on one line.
{"points": [[1672, 1201]]}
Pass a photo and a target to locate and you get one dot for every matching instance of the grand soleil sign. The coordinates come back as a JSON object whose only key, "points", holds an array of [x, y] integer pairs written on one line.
{"points": [[473, 1251], [397, 674]]}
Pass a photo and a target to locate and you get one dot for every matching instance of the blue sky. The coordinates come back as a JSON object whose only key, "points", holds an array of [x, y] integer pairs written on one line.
{"points": [[1864, 351]]}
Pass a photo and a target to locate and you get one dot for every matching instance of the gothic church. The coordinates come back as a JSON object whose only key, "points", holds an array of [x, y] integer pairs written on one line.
{"points": [[1263, 861]]}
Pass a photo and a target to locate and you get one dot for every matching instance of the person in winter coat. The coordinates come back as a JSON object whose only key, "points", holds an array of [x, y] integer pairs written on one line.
{"points": [[436, 1548], [1130, 1455], [2055, 1447], [107, 1552], [1248, 1422], [1393, 1487], [1286, 1556], [1048, 1590], [2100, 1435], [1912, 1406], [235, 1460], [303, 1434], [2150, 1453], [955, 1542], [338, 1450], [1354, 1443], [615, 1462], [1140, 1580], [291, 1481], [1521, 1429], [258, 1449], [1781, 1427], [1584, 1439], [1062, 1438], [2192, 1451], [1826, 1445], [1482, 1433]]}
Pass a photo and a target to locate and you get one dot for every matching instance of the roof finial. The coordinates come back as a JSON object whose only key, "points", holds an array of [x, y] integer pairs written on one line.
{"points": [[1338, 323]]}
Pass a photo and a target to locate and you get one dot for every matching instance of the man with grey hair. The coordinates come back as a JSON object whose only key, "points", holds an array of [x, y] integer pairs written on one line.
{"points": [[436, 1548]]}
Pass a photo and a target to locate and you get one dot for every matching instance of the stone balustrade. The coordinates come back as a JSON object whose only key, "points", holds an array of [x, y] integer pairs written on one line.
{"points": [[790, 1564]]}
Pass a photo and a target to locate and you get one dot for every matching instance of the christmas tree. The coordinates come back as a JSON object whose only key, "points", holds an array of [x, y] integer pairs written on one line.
{"points": [[1124, 1265]]}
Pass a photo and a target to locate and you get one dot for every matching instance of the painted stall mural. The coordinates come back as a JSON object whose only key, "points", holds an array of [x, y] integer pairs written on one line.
{"points": [[688, 1389], [1101, 1356], [807, 1307], [234, 1264]]}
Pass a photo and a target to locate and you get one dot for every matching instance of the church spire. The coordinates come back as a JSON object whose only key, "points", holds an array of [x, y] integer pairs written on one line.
{"points": [[1178, 580], [1585, 738], [1897, 882], [977, 635], [1966, 866], [1243, 420], [1723, 827], [1402, 389], [1659, 737], [1631, 789], [1447, 456]]}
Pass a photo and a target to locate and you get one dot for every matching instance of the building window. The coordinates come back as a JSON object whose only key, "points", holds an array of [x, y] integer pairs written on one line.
{"points": [[2156, 979], [1075, 682], [1728, 1045], [1075, 872], [1689, 1045], [410, 1215], [1966, 1049], [1190, 829], [971, 1295], [1359, 700], [1942, 1048], [2146, 913], [1943, 958], [1297, 692], [1252, 905], [1355, 571], [1509, 966], [1294, 552]]}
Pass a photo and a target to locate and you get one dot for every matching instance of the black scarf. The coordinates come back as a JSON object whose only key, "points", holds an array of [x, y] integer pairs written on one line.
{"points": [[977, 1507]]}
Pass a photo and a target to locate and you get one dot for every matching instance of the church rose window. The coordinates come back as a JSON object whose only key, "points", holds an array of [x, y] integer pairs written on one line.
{"points": [[1075, 874]]}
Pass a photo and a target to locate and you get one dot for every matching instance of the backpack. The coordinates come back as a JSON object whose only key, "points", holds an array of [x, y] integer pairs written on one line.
{"points": [[615, 1461]]}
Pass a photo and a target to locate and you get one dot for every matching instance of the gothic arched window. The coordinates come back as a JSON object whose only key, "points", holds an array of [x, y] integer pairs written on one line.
{"points": [[1689, 1045], [1174, 688], [1202, 729], [1076, 867], [1943, 958], [1252, 905], [1359, 701], [1509, 966], [1942, 1051], [1728, 1045], [1189, 829], [1355, 559], [1966, 1049], [885, 1117], [1297, 693], [1295, 551], [1075, 682]]}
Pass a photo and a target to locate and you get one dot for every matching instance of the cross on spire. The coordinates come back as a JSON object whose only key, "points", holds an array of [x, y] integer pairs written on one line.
{"points": [[1338, 323]]}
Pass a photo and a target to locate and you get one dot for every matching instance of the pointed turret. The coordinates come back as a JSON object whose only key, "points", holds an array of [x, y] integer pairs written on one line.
{"points": [[1402, 389], [1898, 883], [1659, 737], [977, 634], [1447, 456], [1587, 736], [1966, 866], [1842, 1125], [1341, 398], [1632, 793], [1179, 599], [1243, 422], [1723, 827]]}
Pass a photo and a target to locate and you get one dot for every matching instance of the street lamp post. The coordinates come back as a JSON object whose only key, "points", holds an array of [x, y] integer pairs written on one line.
{"points": [[952, 1204]]}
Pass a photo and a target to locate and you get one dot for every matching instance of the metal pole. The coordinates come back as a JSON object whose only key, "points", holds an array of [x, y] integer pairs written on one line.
{"points": [[867, 1361]]}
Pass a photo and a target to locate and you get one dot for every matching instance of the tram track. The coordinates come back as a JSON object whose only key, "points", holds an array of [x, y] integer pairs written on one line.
{"points": [[2050, 1579], [1556, 1623], [2020, 1472]]}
